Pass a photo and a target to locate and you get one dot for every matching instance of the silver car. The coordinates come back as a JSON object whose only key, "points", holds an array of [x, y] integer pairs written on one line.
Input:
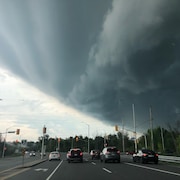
{"points": [[110, 154]]}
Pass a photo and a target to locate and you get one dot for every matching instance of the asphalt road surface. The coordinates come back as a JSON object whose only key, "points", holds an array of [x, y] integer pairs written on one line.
{"points": [[96, 170]]}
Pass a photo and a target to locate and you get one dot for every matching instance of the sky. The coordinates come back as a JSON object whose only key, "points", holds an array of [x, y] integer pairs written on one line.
{"points": [[73, 65]]}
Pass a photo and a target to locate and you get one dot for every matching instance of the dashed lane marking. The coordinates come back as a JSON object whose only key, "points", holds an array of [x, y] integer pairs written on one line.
{"points": [[108, 171], [48, 178]]}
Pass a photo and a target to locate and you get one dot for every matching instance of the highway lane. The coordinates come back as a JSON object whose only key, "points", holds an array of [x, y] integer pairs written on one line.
{"points": [[89, 170]]}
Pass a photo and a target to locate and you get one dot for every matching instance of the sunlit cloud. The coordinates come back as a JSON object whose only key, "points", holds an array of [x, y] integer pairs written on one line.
{"points": [[27, 108]]}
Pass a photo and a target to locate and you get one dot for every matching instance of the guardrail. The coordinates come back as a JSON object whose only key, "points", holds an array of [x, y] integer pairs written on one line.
{"points": [[173, 159]]}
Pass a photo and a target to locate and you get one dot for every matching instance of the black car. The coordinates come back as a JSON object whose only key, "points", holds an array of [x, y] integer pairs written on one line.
{"points": [[95, 154], [110, 154], [145, 156], [75, 155]]}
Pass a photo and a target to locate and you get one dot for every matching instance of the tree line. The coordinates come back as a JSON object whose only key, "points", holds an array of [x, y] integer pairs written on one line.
{"points": [[165, 141]]}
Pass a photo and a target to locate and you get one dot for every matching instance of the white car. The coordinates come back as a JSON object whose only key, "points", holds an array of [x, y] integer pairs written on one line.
{"points": [[32, 153], [55, 155]]}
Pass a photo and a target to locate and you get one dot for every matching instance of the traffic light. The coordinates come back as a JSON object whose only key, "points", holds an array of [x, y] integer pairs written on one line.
{"points": [[44, 130], [77, 138], [18, 131], [116, 128]]}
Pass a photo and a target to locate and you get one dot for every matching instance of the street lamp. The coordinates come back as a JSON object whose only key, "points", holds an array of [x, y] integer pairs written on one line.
{"points": [[88, 134], [42, 148]]}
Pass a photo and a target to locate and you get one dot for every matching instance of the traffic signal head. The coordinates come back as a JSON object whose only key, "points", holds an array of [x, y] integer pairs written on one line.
{"points": [[18, 131], [44, 130], [116, 128], [77, 138]]}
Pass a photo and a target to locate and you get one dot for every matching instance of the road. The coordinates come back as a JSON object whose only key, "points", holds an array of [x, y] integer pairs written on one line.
{"points": [[94, 170]]}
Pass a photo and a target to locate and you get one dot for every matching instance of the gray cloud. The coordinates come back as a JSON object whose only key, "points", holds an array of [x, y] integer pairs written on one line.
{"points": [[135, 60], [98, 56]]}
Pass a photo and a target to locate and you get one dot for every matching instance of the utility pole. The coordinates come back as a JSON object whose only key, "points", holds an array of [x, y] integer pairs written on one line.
{"points": [[162, 137], [151, 126], [123, 136], [134, 120], [145, 141]]}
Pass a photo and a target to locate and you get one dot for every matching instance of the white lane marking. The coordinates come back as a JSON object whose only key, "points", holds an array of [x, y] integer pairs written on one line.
{"points": [[54, 171], [93, 163], [41, 169], [153, 169], [107, 170]]}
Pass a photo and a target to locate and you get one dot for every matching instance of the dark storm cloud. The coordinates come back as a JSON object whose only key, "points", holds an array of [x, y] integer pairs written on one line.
{"points": [[48, 43], [98, 56], [135, 60]]}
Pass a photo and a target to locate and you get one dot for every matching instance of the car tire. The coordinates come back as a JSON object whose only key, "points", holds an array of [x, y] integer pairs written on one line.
{"points": [[155, 162], [142, 160], [134, 159]]}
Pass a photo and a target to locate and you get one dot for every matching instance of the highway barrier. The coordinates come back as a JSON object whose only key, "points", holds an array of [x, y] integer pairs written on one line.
{"points": [[173, 159]]}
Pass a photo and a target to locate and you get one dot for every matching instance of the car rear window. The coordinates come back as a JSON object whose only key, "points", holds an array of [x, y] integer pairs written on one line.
{"points": [[148, 151], [54, 153], [75, 152], [112, 150]]}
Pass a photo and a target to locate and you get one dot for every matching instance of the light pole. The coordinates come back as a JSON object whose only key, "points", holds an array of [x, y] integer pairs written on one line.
{"points": [[42, 149], [145, 140], [134, 120], [88, 135]]}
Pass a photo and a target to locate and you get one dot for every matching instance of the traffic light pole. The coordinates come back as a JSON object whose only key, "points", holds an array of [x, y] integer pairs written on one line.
{"points": [[4, 144], [42, 149]]}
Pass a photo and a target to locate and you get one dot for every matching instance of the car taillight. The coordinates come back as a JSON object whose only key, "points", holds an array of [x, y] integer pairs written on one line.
{"points": [[81, 153], [118, 152], [144, 154], [156, 155]]}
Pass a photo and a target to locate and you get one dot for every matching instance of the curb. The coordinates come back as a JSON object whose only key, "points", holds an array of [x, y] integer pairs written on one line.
{"points": [[31, 164]]}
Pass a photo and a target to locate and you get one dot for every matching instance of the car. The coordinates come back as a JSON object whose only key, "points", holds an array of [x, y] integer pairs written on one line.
{"points": [[95, 154], [32, 153], [145, 156], [75, 155], [110, 154], [55, 155]]}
